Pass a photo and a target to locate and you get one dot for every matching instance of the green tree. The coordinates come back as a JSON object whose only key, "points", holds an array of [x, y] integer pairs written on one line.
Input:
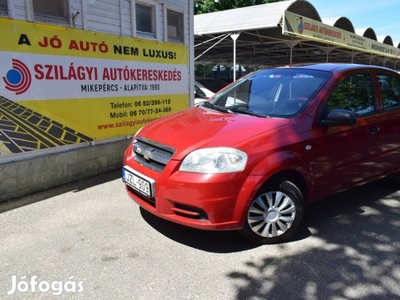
{"points": [[207, 6]]}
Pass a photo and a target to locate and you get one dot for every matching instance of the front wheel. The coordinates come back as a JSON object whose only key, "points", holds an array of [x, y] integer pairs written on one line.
{"points": [[274, 214]]}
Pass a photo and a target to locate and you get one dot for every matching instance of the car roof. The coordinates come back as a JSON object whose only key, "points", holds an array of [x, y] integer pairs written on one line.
{"points": [[336, 67]]}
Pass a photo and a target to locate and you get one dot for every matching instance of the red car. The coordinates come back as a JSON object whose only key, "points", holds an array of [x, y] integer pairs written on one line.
{"points": [[258, 152]]}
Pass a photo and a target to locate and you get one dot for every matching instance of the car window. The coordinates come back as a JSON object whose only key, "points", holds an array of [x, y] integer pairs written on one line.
{"points": [[355, 93], [390, 91], [281, 92]]}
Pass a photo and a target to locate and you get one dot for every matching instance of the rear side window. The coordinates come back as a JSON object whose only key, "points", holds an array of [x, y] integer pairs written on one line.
{"points": [[355, 93], [390, 91]]}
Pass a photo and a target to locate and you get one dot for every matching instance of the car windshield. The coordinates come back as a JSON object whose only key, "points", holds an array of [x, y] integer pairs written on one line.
{"points": [[279, 92]]}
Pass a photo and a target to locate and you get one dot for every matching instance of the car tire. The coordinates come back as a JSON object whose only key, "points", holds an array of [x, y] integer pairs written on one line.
{"points": [[396, 178], [274, 214]]}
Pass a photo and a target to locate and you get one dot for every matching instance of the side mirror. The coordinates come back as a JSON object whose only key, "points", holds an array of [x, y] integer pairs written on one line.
{"points": [[339, 117]]}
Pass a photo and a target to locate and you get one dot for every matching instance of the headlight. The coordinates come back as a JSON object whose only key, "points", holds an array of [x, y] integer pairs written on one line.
{"points": [[214, 160]]}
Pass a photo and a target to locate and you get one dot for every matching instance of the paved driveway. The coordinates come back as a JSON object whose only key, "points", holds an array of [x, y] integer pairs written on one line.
{"points": [[88, 240]]}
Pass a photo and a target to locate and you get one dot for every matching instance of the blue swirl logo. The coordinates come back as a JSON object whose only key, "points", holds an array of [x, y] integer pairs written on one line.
{"points": [[18, 79]]}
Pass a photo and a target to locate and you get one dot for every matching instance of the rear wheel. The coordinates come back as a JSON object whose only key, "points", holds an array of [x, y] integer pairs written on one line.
{"points": [[274, 214]]}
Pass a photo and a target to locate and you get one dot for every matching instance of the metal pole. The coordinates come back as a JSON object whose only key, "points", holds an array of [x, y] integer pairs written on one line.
{"points": [[234, 37]]}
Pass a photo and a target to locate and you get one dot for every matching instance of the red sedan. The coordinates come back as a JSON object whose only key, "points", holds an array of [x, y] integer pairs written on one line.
{"points": [[258, 152]]}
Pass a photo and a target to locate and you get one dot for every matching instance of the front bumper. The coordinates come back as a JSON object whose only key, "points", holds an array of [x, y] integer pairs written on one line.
{"points": [[203, 201]]}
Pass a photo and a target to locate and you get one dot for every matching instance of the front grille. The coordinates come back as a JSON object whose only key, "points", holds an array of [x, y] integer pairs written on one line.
{"points": [[152, 155]]}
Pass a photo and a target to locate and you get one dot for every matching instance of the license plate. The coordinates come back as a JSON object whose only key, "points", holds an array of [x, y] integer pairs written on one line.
{"points": [[138, 182]]}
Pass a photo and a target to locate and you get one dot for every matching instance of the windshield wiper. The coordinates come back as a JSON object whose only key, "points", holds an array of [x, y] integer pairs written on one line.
{"points": [[242, 110], [216, 107], [233, 109]]}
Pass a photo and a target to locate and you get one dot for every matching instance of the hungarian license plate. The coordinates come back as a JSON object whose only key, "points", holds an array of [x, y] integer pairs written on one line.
{"points": [[138, 181]]}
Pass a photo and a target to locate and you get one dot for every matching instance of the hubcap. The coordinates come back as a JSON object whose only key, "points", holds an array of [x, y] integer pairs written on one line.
{"points": [[271, 214]]}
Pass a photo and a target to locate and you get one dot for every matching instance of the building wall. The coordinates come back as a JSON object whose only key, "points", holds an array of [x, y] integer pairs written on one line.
{"points": [[111, 16]]}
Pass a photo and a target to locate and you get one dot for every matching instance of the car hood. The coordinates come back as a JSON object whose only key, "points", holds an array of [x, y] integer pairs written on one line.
{"points": [[199, 128]]}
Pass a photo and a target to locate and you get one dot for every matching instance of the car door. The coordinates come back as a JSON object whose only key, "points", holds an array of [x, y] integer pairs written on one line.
{"points": [[348, 155], [389, 93]]}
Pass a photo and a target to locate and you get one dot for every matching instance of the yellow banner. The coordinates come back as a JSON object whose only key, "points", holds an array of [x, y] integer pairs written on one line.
{"points": [[305, 28], [61, 86], [20, 36]]}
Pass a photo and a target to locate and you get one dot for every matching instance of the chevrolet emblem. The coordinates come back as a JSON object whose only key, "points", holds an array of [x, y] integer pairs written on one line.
{"points": [[147, 155]]}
